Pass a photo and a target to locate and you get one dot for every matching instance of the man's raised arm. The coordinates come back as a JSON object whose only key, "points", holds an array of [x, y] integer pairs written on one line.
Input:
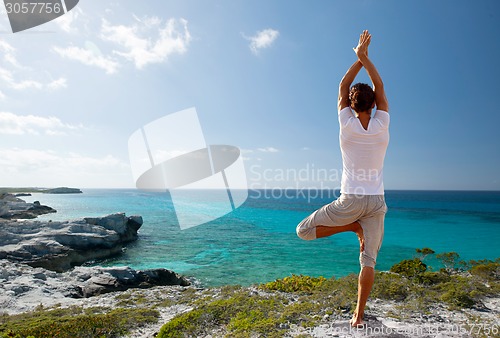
{"points": [[345, 84], [378, 86]]}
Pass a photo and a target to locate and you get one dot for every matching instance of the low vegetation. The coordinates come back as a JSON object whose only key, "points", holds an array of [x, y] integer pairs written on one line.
{"points": [[75, 322], [271, 309], [305, 301]]}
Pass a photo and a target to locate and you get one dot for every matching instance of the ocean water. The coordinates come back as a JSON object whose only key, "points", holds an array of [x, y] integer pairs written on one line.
{"points": [[257, 242]]}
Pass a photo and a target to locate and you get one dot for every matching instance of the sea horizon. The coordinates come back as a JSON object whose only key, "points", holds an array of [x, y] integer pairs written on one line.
{"points": [[274, 188]]}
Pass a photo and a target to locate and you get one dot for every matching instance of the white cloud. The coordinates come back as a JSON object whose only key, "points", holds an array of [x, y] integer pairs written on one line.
{"points": [[146, 41], [263, 39], [11, 59], [254, 152], [26, 84], [5, 47], [12, 124], [137, 45], [59, 83], [47, 168], [66, 22], [12, 72], [8, 77], [268, 150], [88, 57]]}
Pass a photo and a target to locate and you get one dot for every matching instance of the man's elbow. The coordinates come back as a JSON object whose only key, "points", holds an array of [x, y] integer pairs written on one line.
{"points": [[344, 87], [379, 86]]}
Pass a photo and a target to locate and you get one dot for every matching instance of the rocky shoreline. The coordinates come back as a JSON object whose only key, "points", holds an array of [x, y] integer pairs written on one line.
{"points": [[59, 246], [12, 207], [24, 288], [39, 261]]}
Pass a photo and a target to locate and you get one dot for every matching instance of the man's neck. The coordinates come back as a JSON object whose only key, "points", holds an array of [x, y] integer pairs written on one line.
{"points": [[364, 117], [367, 113]]}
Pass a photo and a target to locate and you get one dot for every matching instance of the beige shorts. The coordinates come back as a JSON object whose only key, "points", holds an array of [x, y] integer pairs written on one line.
{"points": [[368, 210]]}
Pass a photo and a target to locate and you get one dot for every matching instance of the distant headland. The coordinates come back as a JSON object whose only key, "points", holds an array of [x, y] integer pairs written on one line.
{"points": [[28, 190]]}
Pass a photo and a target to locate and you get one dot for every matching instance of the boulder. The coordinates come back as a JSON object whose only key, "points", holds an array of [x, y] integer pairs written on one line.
{"points": [[12, 207], [59, 246], [104, 280], [22, 287]]}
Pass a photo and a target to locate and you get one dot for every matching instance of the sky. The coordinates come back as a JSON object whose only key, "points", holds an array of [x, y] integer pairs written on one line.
{"points": [[263, 76]]}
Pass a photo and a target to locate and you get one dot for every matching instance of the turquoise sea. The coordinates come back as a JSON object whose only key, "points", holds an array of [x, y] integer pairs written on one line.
{"points": [[257, 242]]}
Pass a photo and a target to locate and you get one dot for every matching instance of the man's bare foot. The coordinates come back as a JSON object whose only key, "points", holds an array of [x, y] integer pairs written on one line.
{"points": [[357, 323], [361, 237]]}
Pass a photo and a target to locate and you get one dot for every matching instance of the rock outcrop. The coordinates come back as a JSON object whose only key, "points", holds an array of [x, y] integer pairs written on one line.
{"points": [[59, 246], [22, 288], [12, 207], [62, 190], [104, 280]]}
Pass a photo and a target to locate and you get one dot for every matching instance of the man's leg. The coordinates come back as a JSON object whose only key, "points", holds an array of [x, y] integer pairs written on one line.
{"points": [[367, 274], [365, 283], [373, 231], [339, 216], [325, 231]]}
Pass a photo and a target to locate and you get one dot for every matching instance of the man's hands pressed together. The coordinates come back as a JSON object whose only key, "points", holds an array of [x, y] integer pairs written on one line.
{"points": [[361, 49]]}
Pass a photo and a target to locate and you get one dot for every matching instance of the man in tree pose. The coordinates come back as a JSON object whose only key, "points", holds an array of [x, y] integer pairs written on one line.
{"points": [[364, 138]]}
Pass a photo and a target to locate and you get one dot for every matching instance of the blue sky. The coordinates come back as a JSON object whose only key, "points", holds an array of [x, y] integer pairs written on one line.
{"points": [[263, 76]]}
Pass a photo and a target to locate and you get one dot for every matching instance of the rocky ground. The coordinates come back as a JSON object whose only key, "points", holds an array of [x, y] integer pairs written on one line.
{"points": [[380, 318], [25, 288]]}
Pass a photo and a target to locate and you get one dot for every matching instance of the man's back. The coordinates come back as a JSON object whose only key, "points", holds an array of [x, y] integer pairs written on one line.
{"points": [[363, 152]]}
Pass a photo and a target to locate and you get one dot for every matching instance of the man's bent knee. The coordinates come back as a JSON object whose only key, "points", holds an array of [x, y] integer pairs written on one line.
{"points": [[306, 233]]}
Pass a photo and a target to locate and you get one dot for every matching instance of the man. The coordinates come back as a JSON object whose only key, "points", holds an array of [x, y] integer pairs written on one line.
{"points": [[361, 206]]}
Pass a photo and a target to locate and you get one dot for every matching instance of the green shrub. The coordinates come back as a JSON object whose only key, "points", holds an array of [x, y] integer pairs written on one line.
{"points": [[462, 291], [294, 283], [301, 312], [410, 268], [457, 297], [449, 260], [74, 322], [390, 286], [433, 278], [424, 252], [254, 321], [184, 325], [488, 270]]}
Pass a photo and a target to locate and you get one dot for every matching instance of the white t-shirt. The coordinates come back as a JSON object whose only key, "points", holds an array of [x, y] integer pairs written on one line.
{"points": [[363, 152]]}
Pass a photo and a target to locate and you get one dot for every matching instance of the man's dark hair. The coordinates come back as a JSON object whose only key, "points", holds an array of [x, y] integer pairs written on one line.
{"points": [[361, 97]]}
